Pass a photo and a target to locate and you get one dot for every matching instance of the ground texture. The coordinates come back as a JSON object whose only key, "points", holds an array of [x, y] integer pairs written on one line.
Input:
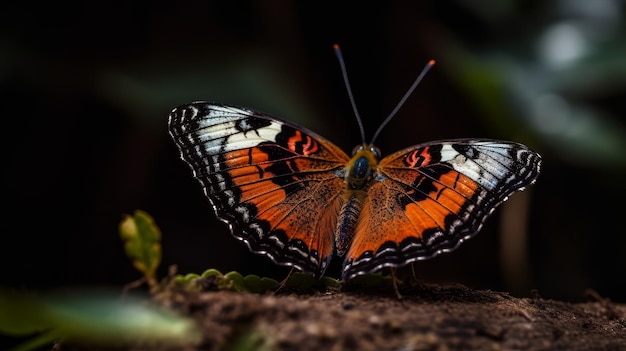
{"points": [[427, 317]]}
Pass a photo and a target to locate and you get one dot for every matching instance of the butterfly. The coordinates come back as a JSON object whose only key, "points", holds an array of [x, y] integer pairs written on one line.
{"points": [[295, 197]]}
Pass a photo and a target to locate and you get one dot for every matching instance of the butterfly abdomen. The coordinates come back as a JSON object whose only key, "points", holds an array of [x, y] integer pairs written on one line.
{"points": [[347, 220]]}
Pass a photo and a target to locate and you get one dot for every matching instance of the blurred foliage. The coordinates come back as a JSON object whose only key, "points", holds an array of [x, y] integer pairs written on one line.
{"points": [[96, 318]]}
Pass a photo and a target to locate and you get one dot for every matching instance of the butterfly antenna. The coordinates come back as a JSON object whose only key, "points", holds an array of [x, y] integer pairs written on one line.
{"points": [[347, 83], [427, 68]]}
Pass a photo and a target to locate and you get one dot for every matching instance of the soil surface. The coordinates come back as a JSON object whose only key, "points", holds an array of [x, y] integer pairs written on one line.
{"points": [[427, 317]]}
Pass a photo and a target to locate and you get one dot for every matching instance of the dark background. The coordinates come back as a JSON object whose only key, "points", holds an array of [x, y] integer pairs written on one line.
{"points": [[86, 90]]}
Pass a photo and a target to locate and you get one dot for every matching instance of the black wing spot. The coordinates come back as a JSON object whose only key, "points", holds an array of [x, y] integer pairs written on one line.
{"points": [[466, 150], [251, 124], [423, 186]]}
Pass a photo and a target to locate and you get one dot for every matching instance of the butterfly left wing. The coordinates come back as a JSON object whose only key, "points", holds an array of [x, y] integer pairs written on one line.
{"points": [[276, 184], [429, 198]]}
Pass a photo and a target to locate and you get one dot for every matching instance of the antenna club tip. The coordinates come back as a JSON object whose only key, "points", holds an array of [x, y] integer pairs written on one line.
{"points": [[431, 62], [336, 46]]}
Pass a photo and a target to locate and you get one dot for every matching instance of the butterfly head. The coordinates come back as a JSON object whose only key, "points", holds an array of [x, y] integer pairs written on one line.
{"points": [[362, 165], [369, 149]]}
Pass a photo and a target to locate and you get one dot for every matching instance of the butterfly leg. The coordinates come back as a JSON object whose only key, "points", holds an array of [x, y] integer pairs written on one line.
{"points": [[413, 272], [415, 285], [394, 281], [284, 281]]}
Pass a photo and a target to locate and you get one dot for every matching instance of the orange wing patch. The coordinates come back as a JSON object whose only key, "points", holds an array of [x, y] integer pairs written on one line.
{"points": [[452, 192], [395, 213]]}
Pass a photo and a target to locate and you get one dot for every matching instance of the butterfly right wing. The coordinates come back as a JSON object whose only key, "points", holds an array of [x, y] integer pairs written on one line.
{"points": [[276, 184], [429, 198]]}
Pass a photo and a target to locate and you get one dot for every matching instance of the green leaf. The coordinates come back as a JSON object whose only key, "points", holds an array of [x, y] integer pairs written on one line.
{"points": [[301, 281], [330, 282], [142, 243], [256, 284], [185, 279], [234, 281], [211, 272], [369, 281]]}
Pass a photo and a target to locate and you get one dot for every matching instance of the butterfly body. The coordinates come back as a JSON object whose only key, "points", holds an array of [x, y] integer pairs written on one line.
{"points": [[358, 175], [295, 197]]}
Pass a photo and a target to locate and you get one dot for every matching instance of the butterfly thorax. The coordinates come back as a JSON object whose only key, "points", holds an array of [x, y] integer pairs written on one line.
{"points": [[362, 166]]}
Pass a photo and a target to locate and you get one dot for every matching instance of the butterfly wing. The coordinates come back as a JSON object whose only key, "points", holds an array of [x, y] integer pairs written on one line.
{"points": [[429, 198], [276, 184]]}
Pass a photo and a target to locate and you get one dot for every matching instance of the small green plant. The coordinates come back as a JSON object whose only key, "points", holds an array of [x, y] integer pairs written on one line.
{"points": [[212, 279], [142, 243]]}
